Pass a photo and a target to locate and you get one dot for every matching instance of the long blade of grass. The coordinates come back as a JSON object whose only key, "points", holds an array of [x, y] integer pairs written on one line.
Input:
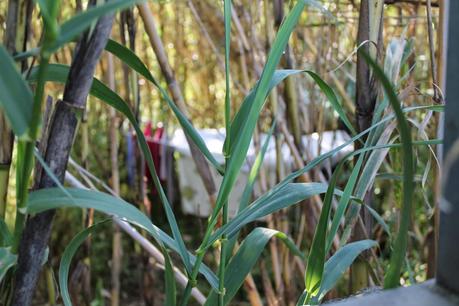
{"points": [[392, 277], [340, 262], [318, 160], [67, 256], [316, 257], [279, 76], [343, 202], [253, 174], [227, 17], [171, 290], [73, 27], [331, 96], [285, 197], [245, 258], [238, 152], [241, 115], [15, 95]]}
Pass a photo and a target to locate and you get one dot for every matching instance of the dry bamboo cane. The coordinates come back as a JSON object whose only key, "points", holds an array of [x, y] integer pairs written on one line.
{"points": [[369, 28], [117, 251], [269, 291]]}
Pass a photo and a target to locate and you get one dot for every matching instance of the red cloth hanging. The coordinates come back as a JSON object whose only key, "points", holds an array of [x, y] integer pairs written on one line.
{"points": [[154, 145]]}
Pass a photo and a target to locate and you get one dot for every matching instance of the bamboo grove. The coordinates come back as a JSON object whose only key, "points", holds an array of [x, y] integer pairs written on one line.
{"points": [[85, 215]]}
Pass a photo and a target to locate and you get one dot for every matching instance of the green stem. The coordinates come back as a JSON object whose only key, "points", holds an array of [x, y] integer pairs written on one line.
{"points": [[213, 220], [24, 171], [192, 279], [199, 257], [222, 267]]}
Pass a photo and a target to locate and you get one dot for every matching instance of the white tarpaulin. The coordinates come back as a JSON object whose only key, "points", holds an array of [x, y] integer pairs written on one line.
{"points": [[194, 197]]}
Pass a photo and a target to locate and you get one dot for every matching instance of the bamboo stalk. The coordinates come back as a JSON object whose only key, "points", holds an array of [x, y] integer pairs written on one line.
{"points": [[117, 251], [369, 28], [61, 134], [269, 291]]}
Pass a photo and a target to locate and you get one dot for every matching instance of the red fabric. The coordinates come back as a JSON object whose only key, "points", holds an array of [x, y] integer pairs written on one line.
{"points": [[153, 142]]}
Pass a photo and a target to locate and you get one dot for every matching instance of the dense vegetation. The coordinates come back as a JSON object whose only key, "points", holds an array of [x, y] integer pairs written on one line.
{"points": [[82, 80]]}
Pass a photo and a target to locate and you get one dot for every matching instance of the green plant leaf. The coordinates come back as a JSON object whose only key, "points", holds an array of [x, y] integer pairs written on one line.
{"points": [[53, 198], [241, 115], [6, 238], [227, 20], [171, 291], [245, 258], [339, 262], [44, 11], [316, 257], [7, 260], [67, 256], [286, 196], [392, 277], [76, 25], [318, 160], [15, 96], [277, 78], [241, 143], [344, 201], [253, 174], [328, 91], [133, 61]]}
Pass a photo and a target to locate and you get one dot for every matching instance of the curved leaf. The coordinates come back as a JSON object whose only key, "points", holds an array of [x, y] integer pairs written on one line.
{"points": [[15, 95], [392, 278], [247, 193], [318, 160], [6, 238], [316, 257], [339, 262], [286, 196], [245, 258], [240, 144], [82, 21], [53, 198], [7, 260], [67, 256]]}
